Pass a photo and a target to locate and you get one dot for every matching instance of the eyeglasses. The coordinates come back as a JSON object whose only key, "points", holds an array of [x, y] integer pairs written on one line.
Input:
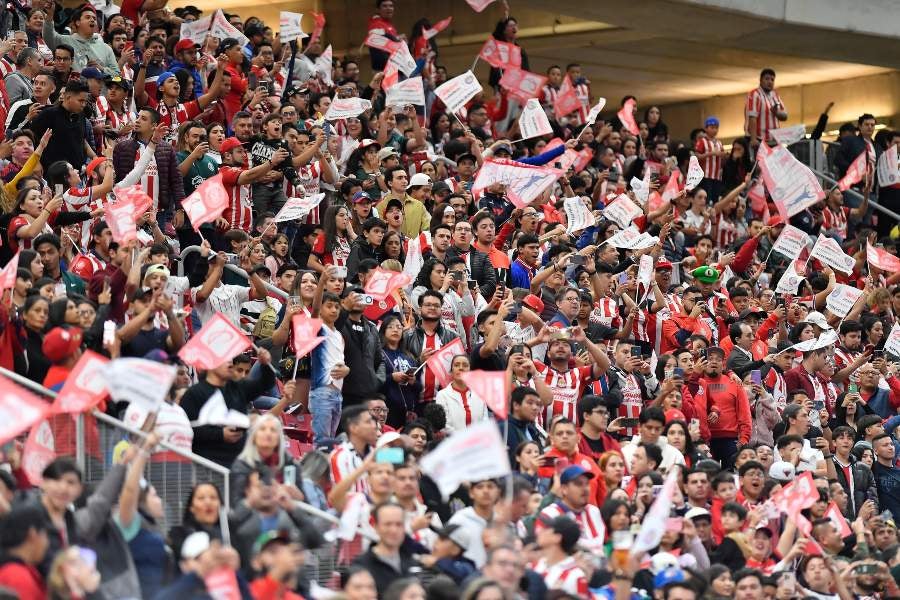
{"points": [[63, 58], [600, 411], [379, 410], [430, 305]]}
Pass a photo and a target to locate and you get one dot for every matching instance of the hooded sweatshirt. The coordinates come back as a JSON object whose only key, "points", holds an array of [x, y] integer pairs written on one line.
{"points": [[92, 48]]}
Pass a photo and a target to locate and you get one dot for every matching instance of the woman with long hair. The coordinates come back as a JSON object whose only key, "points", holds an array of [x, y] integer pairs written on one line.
{"points": [[30, 360], [461, 406], [401, 387], [365, 166], [303, 294], [215, 135], [201, 513], [680, 439], [737, 165], [264, 447], [612, 466], [617, 517], [332, 247], [280, 247], [392, 246], [528, 463], [507, 30], [656, 129], [421, 47], [29, 259], [440, 130]]}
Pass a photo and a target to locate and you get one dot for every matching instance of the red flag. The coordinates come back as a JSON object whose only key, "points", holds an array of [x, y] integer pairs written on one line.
{"points": [[222, 584], [120, 218], [439, 362], [218, 341], [391, 76], [19, 410], [566, 100], [855, 172], [479, 5], [306, 334], [882, 259], [318, 27], [797, 495], [671, 190], [626, 116], [8, 274], [383, 282], [84, 387], [492, 387], [522, 85], [207, 203], [379, 41], [39, 451], [135, 193], [500, 55], [585, 155], [437, 28], [834, 515]]}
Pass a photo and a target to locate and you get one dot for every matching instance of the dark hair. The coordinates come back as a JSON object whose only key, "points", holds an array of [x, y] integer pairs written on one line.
{"points": [[61, 466], [767, 71], [68, 49], [20, 520], [352, 415], [431, 293], [76, 86], [864, 117], [653, 413], [587, 404], [749, 466], [330, 225], [518, 394], [654, 452], [850, 326], [611, 507], [785, 440]]}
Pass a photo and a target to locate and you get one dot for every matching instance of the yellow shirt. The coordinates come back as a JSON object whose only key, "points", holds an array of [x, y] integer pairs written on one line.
{"points": [[415, 218]]}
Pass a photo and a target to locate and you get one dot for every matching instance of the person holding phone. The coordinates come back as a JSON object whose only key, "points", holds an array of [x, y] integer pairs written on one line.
{"points": [[727, 409]]}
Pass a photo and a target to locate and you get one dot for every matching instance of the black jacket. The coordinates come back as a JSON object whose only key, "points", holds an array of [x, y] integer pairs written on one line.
{"points": [[68, 138], [480, 269], [383, 573], [863, 485], [360, 250], [362, 353], [519, 431]]}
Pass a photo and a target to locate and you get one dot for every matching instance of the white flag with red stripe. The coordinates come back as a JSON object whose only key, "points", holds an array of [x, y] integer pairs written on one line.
{"points": [[888, 167], [479, 5], [842, 298], [378, 40], [437, 28], [523, 182], [346, 108], [626, 116], [382, 283], [492, 387], [882, 259], [789, 135], [456, 92], [500, 55], [207, 202], [8, 274], [85, 386], [403, 60], [791, 242], [39, 451], [439, 362], [855, 172], [408, 91]]}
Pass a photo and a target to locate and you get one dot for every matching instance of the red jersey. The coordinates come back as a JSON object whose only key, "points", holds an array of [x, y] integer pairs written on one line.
{"points": [[174, 116], [712, 165], [19, 222], [239, 213], [338, 255], [567, 390]]}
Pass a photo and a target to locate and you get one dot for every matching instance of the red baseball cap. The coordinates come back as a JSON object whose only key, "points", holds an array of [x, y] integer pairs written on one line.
{"points": [[673, 414], [92, 166], [534, 303], [230, 144], [61, 342], [775, 221], [185, 44], [663, 264]]}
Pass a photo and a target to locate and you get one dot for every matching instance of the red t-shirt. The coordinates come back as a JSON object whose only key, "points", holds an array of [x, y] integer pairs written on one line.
{"points": [[235, 98]]}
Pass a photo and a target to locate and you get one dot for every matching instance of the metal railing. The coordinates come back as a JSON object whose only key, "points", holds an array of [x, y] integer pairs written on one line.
{"points": [[233, 268]]}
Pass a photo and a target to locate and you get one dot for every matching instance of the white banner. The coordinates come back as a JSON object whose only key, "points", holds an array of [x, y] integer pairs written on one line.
{"points": [[408, 91], [216, 412], [842, 298], [289, 26], [533, 121], [222, 29], [578, 216], [402, 60], [523, 182], [144, 383], [632, 239], [644, 276], [888, 168], [791, 184], [457, 91], [694, 174], [297, 208], [323, 65], [622, 211], [829, 252], [790, 281], [595, 112], [474, 454], [791, 242], [656, 519], [196, 31], [789, 135], [345, 108], [641, 187], [892, 343]]}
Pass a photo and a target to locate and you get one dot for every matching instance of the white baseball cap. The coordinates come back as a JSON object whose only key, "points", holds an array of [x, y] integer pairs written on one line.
{"points": [[419, 179]]}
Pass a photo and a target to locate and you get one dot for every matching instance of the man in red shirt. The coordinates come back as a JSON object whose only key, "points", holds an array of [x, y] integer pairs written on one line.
{"points": [[564, 449], [237, 179], [382, 22], [727, 410], [234, 99], [24, 543]]}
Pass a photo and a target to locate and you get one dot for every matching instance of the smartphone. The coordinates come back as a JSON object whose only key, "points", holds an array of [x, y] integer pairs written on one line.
{"points": [[629, 422], [819, 404], [578, 260], [852, 389], [678, 373], [756, 377], [290, 475], [695, 423], [502, 289], [109, 332], [865, 569], [636, 351], [788, 579], [516, 309], [703, 353], [456, 275], [779, 301], [392, 456], [340, 272], [410, 371], [295, 301], [473, 284], [623, 278], [58, 190], [232, 259], [878, 353]]}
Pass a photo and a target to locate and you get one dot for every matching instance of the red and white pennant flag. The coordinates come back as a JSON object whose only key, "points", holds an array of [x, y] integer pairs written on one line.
{"points": [[855, 172], [439, 362], [492, 387]]}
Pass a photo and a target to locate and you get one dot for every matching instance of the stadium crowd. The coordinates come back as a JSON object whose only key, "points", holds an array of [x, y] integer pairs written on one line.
{"points": [[689, 408]]}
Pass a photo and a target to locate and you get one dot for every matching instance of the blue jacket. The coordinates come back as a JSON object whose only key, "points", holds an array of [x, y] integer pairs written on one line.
{"points": [[887, 482], [544, 158], [198, 81]]}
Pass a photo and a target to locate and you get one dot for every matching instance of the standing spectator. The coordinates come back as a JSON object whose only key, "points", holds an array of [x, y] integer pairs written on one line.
{"points": [[711, 154], [763, 111], [24, 543], [90, 49], [388, 560], [66, 119], [382, 22], [727, 409]]}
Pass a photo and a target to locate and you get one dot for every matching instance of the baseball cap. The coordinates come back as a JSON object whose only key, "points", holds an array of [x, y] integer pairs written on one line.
{"points": [[663, 264], [228, 44], [152, 269], [361, 197], [697, 511], [140, 292], [386, 438], [573, 472], [271, 536], [418, 179], [775, 221], [466, 156], [818, 319], [673, 414], [534, 303], [118, 80], [705, 274], [662, 561], [92, 166], [501, 148], [229, 144], [782, 471], [163, 77], [185, 44], [194, 545], [61, 342], [386, 153], [749, 311], [296, 88], [710, 121], [392, 203], [456, 534], [92, 73], [667, 576], [367, 142], [439, 186]]}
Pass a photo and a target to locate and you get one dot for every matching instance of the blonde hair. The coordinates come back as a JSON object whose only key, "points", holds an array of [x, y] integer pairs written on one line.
{"points": [[250, 454], [392, 264]]}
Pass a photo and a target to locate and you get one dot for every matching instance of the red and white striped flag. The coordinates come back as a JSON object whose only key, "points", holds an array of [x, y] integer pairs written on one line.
{"points": [[437, 28], [207, 203], [855, 172], [626, 116], [492, 387]]}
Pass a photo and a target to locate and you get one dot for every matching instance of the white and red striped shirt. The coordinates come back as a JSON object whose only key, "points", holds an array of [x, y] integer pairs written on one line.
{"points": [[548, 95], [726, 232], [239, 213], [6, 67], [762, 105], [81, 200], [567, 389], [711, 165], [835, 221], [344, 460], [583, 93], [565, 575], [310, 175], [606, 312], [593, 531], [150, 178], [174, 116]]}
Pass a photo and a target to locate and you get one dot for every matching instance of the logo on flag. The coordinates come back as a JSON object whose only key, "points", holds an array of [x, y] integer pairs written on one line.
{"points": [[456, 92], [439, 362], [792, 186], [218, 341], [622, 211], [500, 55], [694, 174], [206, 203], [855, 172], [520, 84], [346, 108], [39, 451], [408, 91], [791, 242], [829, 252], [382, 282], [297, 208], [523, 182], [306, 334], [566, 101], [533, 121], [882, 259], [289, 26], [378, 40]]}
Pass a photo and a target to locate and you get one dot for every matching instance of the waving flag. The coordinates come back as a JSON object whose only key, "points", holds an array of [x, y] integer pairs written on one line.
{"points": [[378, 40], [120, 218], [8, 274], [217, 341], [830, 252], [85, 386], [855, 172], [408, 91], [626, 116], [789, 135], [654, 525], [474, 454], [492, 387], [500, 55], [305, 334], [382, 283], [479, 5], [694, 174], [439, 362], [882, 259], [456, 92], [566, 101], [318, 27], [207, 202], [533, 121], [19, 410], [523, 182], [437, 28], [792, 186]]}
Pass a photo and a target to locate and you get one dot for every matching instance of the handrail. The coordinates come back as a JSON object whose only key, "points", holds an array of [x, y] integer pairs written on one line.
{"points": [[857, 195], [233, 268]]}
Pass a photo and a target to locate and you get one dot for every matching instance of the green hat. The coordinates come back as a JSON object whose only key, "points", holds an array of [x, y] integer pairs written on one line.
{"points": [[705, 274], [273, 535]]}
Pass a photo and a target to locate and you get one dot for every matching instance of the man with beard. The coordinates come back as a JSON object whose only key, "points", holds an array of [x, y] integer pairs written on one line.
{"points": [[428, 336], [477, 263], [727, 409], [362, 349]]}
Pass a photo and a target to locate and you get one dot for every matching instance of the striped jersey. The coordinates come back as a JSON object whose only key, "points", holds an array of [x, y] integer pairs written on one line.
{"points": [[711, 165], [174, 116], [567, 389], [239, 213], [565, 575], [762, 105], [344, 460], [593, 531]]}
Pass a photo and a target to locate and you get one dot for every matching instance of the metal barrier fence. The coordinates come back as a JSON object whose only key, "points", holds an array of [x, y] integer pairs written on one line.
{"points": [[233, 268]]}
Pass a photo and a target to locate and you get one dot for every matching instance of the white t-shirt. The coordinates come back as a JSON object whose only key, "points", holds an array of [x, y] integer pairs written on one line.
{"points": [[225, 299], [334, 353]]}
